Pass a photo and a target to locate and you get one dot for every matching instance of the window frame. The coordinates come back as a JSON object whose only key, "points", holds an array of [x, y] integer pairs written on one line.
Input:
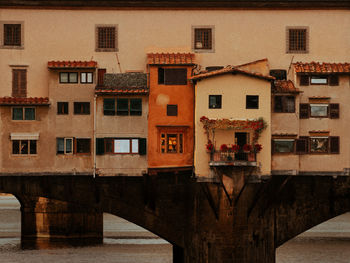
{"points": [[69, 77], [112, 149], [311, 105], [116, 33], [86, 77], [172, 110], [213, 106], [76, 141], [64, 106], [29, 147], [284, 107], [193, 44], [311, 151], [164, 76], [250, 107], [23, 113], [2, 35], [82, 108], [179, 138], [288, 40], [19, 82], [320, 77], [274, 140], [65, 139]]}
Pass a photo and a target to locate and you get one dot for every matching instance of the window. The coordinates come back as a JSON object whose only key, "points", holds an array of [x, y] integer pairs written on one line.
{"points": [[203, 38], [297, 40], [283, 145], [106, 38], [121, 145], [19, 83], [83, 145], [331, 80], [252, 102], [318, 110], [100, 77], [284, 104], [331, 110], [318, 144], [279, 74], [171, 142], [68, 77], [64, 145], [82, 108], [11, 35], [171, 110], [24, 147], [215, 101], [125, 107], [23, 113], [62, 108], [86, 77], [172, 76]]}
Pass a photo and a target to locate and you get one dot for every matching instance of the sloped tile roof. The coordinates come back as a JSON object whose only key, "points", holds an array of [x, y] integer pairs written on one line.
{"points": [[325, 68], [121, 91], [36, 101], [170, 59], [231, 69], [284, 86], [71, 64]]}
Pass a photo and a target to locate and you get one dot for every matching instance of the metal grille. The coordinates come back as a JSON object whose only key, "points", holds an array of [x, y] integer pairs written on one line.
{"points": [[106, 37], [202, 38], [12, 34], [297, 40]]}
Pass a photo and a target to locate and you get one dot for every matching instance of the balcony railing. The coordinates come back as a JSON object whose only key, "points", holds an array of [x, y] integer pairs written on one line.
{"points": [[219, 158]]}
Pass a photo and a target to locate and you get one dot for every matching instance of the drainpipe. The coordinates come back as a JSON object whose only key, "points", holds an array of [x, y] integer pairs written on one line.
{"points": [[94, 136]]}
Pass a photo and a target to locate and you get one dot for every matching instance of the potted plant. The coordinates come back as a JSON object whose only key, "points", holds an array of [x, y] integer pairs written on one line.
{"points": [[210, 147], [257, 147], [247, 148], [223, 148], [235, 148]]}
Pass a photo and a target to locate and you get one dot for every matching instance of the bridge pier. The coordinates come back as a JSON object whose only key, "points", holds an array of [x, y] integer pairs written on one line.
{"points": [[48, 223]]}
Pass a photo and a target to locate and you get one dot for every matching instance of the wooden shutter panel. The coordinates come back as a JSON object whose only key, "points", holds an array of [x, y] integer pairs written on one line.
{"points": [[304, 111], [302, 145], [175, 76], [100, 146], [334, 80], [100, 76], [334, 111], [19, 83], [142, 146], [304, 80], [334, 144]]}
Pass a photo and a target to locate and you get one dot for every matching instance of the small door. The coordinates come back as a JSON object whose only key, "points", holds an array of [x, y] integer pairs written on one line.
{"points": [[241, 139]]}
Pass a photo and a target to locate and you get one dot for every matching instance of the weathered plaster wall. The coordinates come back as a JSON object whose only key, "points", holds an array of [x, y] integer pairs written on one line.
{"points": [[233, 89]]}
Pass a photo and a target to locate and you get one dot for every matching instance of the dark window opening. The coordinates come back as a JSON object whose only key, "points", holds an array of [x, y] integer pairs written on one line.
{"points": [[12, 34], [172, 76], [83, 145], [252, 102], [109, 106], [284, 104], [135, 107], [24, 147], [279, 74], [106, 37], [23, 113], [297, 40], [122, 107], [62, 108], [215, 101], [82, 108], [202, 38], [171, 110]]}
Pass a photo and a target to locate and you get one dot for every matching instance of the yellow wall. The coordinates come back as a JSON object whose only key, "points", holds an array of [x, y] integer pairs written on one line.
{"points": [[233, 89]]}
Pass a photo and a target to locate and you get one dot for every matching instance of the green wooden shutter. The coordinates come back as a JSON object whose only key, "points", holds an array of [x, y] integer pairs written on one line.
{"points": [[142, 146], [100, 146]]}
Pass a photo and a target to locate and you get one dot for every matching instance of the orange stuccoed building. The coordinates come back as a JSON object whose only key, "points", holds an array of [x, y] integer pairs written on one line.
{"points": [[170, 119]]}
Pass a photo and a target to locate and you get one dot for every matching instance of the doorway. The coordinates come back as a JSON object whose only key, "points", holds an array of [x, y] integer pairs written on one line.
{"points": [[241, 140]]}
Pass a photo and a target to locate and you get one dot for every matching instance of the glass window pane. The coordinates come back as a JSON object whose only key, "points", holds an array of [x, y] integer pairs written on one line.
{"points": [[15, 147], [83, 77], [109, 145], [17, 113], [60, 145], [73, 77], [29, 113], [108, 106], [172, 143], [83, 145], [319, 144], [134, 145], [64, 77], [135, 107], [290, 104], [24, 147], [89, 77], [319, 110], [122, 106], [122, 146], [69, 144], [318, 80], [32, 147], [283, 146], [180, 143]]}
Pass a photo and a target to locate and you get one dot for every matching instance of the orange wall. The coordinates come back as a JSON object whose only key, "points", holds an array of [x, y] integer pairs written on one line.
{"points": [[159, 97]]}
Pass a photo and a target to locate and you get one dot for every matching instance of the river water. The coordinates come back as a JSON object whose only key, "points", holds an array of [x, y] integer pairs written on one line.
{"points": [[127, 243]]}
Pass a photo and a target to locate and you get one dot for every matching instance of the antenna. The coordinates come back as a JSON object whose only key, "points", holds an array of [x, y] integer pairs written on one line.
{"points": [[120, 69], [290, 65]]}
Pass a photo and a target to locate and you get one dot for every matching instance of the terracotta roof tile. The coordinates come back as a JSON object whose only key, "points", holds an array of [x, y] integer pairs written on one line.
{"points": [[71, 64], [231, 69], [326, 68], [121, 91], [44, 101], [284, 86], [170, 59]]}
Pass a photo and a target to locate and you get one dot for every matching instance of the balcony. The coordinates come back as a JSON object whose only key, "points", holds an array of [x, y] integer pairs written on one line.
{"points": [[220, 158]]}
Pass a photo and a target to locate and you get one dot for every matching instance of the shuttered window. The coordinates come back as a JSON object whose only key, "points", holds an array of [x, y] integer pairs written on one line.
{"points": [[284, 104], [304, 80], [333, 80], [334, 144], [334, 111], [302, 145], [100, 146], [19, 83], [171, 110], [100, 77]]}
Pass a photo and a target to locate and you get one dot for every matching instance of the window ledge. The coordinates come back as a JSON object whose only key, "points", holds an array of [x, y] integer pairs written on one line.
{"points": [[106, 50], [12, 47], [233, 163]]}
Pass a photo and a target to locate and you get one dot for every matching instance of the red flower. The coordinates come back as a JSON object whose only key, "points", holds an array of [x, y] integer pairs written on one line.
{"points": [[223, 148], [247, 147], [257, 147], [203, 118], [235, 148], [210, 147]]}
